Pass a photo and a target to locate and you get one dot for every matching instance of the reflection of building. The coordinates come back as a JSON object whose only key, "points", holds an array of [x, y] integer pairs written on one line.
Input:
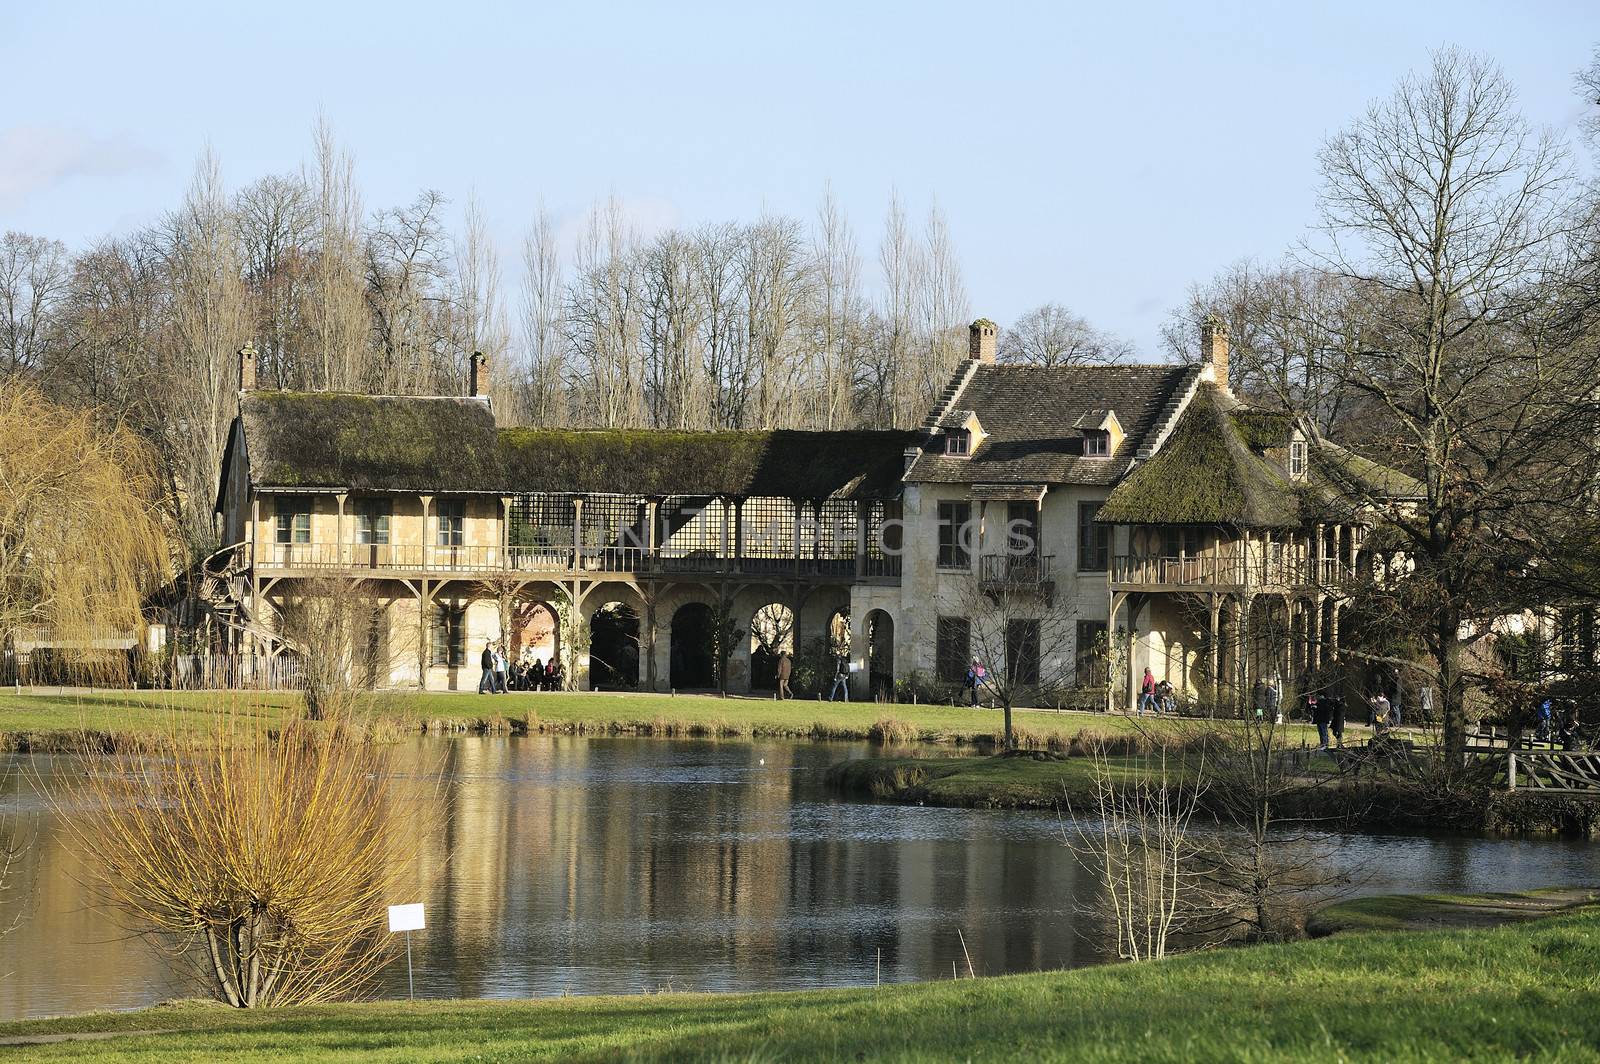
{"points": [[1168, 520]]}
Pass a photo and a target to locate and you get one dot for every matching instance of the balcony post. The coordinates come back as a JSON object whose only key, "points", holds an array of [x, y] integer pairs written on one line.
{"points": [[255, 529], [863, 508], [798, 509], [338, 534], [505, 532], [652, 514], [738, 535], [725, 548], [577, 532], [427, 540]]}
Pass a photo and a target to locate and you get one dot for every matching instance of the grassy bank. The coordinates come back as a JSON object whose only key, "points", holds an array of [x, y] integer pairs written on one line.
{"points": [[44, 721], [973, 782], [1428, 912], [1523, 991]]}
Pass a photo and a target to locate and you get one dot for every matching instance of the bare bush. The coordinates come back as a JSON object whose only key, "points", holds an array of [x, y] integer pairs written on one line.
{"points": [[269, 860]]}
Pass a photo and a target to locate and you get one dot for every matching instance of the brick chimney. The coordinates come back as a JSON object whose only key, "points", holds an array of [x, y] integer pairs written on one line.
{"points": [[981, 340], [479, 386], [1214, 350], [247, 367]]}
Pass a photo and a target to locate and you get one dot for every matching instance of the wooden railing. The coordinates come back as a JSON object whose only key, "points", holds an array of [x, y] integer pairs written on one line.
{"points": [[547, 558], [1228, 571]]}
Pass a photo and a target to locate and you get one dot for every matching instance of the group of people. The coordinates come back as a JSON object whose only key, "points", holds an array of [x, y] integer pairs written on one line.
{"points": [[840, 689], [1157, 696], [527, 673], [1546, 729]]}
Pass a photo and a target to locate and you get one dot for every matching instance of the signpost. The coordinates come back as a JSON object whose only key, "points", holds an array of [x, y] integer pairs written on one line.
{"points": [[407, 918]]}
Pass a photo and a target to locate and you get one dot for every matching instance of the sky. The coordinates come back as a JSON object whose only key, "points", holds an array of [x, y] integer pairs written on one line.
{"points": [[1102, 156]]}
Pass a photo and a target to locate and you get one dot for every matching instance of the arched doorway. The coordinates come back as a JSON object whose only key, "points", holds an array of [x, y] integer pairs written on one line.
{"points": [[693, 648], [614, 648], [771, 634], [880, 655], [535, 631]]}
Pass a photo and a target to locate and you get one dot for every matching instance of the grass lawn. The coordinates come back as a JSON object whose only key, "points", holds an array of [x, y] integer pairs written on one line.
{"points": [[1519, 992], [1421, 912], [42, 718], [977, 782]]}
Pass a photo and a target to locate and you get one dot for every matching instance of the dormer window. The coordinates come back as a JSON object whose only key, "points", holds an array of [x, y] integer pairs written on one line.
{"points": [[1101, 433], [958, 442], [1297, 459], [1097, 443]]}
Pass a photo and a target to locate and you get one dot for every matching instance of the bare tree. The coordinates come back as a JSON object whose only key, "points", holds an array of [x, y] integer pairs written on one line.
{"points": [[543, 388], [339, 630], [836, 317], [276, 218], [602, 318], [337, 324], [33, 288], [1446, 209], [1051, 335], [197, 372], [1019, 632], [483, 323]]}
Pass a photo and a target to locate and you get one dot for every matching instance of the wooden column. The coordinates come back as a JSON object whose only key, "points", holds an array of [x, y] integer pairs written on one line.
{"points": [[798, 510], [863, 510], [339, 551], [505, 531], [577, 534], [738, 535], [726, 548], [427, 540]]}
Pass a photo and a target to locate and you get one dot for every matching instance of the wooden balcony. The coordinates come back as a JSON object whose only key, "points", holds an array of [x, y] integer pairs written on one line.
{"points": [[1151, 572], [555, 560]]}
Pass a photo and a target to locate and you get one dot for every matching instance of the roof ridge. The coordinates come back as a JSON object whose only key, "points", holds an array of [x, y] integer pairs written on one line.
{"points": [[1168, 418], [952, 391]]}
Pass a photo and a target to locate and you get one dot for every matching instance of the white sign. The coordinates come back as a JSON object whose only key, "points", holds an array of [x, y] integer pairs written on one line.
{"points": [[406, 917]]}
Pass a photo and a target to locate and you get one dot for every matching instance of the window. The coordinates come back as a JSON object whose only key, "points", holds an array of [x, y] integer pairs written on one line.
{"points": [[372, 521], [449, 636], [953, 648], [452, 522], [1022, 527], [1097, 443], [1177, 539], [1022, 652], [1091, 654], [957, 441], [1575, 638], [1297, 459], [955, 519], [293, 519], [1094, 540]]}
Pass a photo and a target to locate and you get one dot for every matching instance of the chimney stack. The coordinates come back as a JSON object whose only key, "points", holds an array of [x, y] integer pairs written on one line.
{"points": [[981, 340], [1214, 350], [247, 367], [479, 387]]}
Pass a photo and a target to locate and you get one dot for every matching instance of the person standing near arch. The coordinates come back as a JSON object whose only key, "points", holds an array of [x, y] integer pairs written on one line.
{"points": [[785, 667]]}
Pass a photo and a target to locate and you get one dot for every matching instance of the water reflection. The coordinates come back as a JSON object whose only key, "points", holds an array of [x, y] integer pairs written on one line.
{"points": [[571, 865]]}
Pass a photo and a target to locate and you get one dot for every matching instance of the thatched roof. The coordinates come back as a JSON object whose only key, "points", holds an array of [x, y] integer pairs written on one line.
{"points": [[1206, 473], [445, 445]]}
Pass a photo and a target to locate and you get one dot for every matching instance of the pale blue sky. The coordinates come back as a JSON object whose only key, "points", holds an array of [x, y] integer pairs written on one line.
{"points": [[1103, 156]]}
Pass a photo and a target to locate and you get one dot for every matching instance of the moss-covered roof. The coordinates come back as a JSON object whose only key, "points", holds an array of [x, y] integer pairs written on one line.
{"points": [[1206, 473], [387, 443], [1350, 474], [377, 443]]}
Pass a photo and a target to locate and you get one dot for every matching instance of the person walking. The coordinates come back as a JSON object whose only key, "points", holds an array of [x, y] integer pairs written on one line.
{"points": [[975, 676], [1380, 710], [1335, 704], [500, 670], [1147, 692], [1542, 730], [1317, 708], [785, 670], [841, 679], [486, 660]]}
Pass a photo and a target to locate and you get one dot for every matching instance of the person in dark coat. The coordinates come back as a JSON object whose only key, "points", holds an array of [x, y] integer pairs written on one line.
{"points": [[486, 681]]}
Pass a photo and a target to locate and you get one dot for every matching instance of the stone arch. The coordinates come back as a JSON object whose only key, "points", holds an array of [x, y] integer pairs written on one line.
{"points": [[614, 647], [535, 630], [771, 633], [879, 654], [693, 655]]}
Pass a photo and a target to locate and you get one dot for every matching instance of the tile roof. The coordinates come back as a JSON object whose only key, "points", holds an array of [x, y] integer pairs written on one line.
{"points": [[1030, 413]]}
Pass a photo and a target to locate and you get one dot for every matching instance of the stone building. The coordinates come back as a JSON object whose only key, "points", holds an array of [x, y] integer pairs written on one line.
{"points": [[1133, 514]]}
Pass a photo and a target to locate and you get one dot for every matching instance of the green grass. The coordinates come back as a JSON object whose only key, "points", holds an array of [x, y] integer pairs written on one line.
{"points": [[1519, 992], [977, 782], [1413, 912], [41, 720]]}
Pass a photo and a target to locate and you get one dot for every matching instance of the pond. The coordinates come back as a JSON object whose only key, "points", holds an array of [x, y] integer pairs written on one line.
{"points": [[587, 866]]}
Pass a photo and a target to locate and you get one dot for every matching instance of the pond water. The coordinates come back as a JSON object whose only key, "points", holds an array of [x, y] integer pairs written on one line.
{"points": [[585, 866]]}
